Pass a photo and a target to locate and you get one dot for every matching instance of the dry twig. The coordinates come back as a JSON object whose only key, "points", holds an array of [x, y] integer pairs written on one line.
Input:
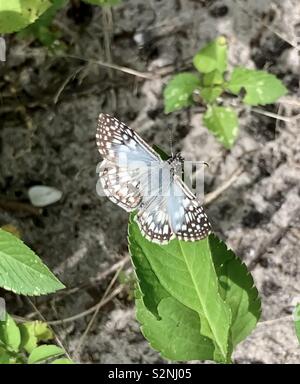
{"points": [[80, 315], [17, 206], [100, 277], [210, 197], [55, 335], [288, 119], [97, 308], [130, 71]]}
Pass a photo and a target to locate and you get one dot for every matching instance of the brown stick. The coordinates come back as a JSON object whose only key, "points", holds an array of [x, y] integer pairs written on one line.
{"points": [[210, 197], [17, 206]]}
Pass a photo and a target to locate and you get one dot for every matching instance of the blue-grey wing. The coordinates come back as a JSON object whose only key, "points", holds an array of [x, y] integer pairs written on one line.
{"points": [[153, 214]]}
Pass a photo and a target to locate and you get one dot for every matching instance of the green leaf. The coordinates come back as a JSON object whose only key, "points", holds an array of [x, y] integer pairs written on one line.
{"points": [[237, 290], [163, 155], [171, 327], [261, 87], [194, 300], [147, 280], [17, 14], [212, 57], [213, 78], [28, 338], [44, 352], [210, 94], [107, 3], [41, 28], [41, 330], [296, 316], [177, 269], [223, 123], [32, 333], [175, 332], [10, 334], [62, 361], [179, 91], [5, 356], [21, 270]]}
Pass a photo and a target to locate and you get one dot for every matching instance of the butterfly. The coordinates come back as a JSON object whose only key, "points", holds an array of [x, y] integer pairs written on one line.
{"points": [[134, 177]]}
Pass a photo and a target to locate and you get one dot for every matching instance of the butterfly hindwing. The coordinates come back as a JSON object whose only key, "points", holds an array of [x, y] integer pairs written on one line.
{"points": [[119, 186], [153, 221], [187, 217]]}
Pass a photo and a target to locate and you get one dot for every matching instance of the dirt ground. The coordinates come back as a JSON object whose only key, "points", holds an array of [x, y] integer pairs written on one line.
{"points": [[48, 111]]}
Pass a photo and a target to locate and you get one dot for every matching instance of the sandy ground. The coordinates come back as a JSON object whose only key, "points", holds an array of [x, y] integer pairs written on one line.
{"points": [[82, 236]]}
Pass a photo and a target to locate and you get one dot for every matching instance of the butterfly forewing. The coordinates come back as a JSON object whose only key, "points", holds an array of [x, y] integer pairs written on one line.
{"points": [[124, 172], [120, 144]]}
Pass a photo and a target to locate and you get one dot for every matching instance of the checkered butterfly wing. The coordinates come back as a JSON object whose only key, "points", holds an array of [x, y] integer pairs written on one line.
{"points": [[119, 143], [174, 213], [127, 160], [165, 206], [153, 217], [187, 217]]}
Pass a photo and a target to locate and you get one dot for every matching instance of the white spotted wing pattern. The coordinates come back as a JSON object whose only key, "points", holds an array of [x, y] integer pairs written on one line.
{"points": [[134, 177]]}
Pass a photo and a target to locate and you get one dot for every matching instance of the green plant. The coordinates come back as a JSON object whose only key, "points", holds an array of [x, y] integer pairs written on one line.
{"points": [[37, 16], [22, 272], [21, 343], [297, 320], [128, 279], [17, 14], [260, 87], [42, 28], [195, 300]]}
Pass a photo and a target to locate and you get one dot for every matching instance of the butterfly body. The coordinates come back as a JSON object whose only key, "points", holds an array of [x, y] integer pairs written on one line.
{"points": [[176, 162], [134, 177]]}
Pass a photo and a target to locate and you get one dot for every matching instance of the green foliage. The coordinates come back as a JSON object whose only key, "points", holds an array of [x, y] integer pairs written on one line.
{"points": [[261, 87], [62, 361], [179, 91], [211, 63], [17, 14], [33, 332], [19, 343], [195, 300], [297, 320], [44, 352], [10, 334], [41, 29], [213, 78], [210, 94], [21, 270], [212, 57], [223, 123], [163, 155]]}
